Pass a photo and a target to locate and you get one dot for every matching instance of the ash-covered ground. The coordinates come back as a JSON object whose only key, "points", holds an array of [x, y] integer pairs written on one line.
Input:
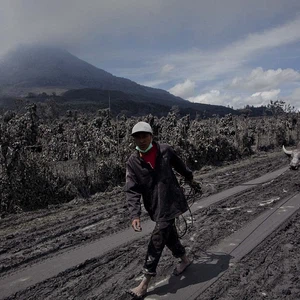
{"points": [[270, 271]]}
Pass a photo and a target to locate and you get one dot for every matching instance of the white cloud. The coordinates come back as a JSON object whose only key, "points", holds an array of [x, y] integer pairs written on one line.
{"points": [[161, 78], [183, 90], [296, 95], [167, 69], [260, 80], [212, 97], [294, 99], [262, 98], [218, 97], [70, 23], [209, 65], [154, 83]]}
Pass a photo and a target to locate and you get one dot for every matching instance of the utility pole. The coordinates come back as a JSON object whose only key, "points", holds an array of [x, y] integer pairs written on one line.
{"points": [[109, 102]]}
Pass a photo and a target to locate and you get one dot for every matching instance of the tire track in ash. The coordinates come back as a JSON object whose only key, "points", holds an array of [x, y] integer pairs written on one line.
{"points": [[51, 267], [203, 274], [40, 239], [30, 238], [270, 271]]}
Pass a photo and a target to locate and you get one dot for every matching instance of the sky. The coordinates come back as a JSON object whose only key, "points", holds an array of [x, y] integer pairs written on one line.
{"points": [[224, 52]]}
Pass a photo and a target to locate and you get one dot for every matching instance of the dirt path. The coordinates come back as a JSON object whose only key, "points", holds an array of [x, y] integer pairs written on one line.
{"points": [[30, 237]]}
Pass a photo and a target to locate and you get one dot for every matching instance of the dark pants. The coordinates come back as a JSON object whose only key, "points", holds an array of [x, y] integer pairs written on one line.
{"points": [[164, 234]]}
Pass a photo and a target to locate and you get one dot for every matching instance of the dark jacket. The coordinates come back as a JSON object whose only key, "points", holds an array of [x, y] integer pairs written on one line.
{"points": [[162, 196]]}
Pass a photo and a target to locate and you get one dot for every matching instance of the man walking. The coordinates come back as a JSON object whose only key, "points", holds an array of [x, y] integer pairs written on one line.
{"points": [[149, 174]]}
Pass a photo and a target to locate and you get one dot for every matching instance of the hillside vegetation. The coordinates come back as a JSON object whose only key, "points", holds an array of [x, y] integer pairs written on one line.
{"points": [[47, 159]]}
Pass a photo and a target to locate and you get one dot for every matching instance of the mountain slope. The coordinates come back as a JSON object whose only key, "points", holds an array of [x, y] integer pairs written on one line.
{"points": [[39, 68], [139, 104], [43, 69]]}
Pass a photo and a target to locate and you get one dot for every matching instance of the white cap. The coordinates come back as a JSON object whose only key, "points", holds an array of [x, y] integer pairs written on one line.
{"points": [[141, 127]]}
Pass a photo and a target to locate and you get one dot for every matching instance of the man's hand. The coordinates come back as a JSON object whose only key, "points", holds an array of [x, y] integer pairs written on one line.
{"points": [[136, 224], [195, 185]]}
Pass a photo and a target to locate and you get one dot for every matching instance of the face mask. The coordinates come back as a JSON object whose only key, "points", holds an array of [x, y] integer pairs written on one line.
{"points": [[144, 151]]}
